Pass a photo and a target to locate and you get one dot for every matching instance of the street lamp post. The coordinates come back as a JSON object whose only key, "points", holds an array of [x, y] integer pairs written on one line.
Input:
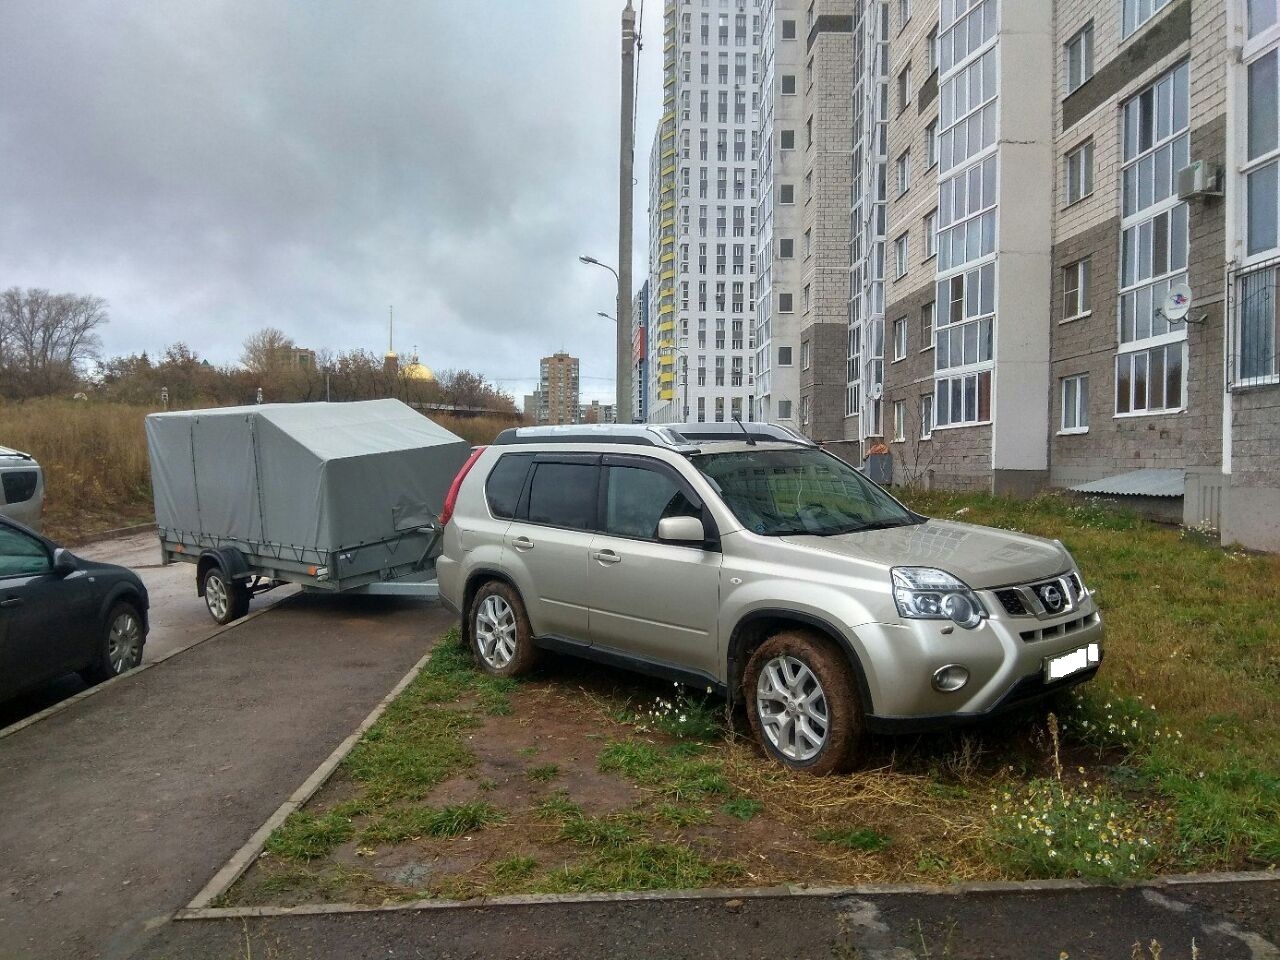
{"points": [[623, 318]]}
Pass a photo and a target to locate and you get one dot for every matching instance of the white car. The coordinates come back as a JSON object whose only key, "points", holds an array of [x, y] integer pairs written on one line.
{"points": [[21, 487]]}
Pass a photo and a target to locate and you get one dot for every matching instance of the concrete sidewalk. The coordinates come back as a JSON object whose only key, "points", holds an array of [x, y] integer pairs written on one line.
{"points": [[1226, 921], [119, 808]]}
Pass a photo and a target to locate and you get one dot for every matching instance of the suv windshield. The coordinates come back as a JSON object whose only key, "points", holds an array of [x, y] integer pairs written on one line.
{"points": [[777, 492]]}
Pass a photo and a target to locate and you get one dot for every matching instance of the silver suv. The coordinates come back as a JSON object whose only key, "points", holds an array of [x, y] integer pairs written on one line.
{"points": [[743, 558]]}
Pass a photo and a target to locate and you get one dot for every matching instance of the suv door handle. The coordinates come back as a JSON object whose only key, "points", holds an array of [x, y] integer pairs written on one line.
{"points": [[11, 602], [607, 556], [522, 544]]}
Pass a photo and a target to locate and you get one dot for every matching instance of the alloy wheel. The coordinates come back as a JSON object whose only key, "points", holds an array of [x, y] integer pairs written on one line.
{"points": [[496, 631], [216, 598], [792, 708]]}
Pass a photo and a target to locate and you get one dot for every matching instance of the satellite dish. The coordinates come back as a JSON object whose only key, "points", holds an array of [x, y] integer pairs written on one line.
{"points": [[877, 391], [1177, 303]]}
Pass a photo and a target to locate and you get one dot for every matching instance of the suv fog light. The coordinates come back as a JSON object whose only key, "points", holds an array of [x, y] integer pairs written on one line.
{"points": [[963, 611], [950, 678]]}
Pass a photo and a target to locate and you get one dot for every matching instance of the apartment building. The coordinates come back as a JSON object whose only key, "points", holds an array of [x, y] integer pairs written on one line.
{"points": [[780, 217], [1054, 172], [702, 213], [640, 351], [557, 393]]}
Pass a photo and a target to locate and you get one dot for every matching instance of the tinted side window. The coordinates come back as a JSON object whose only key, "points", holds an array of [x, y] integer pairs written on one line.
{"points": [[564, 495], [505, 482], [19, 485], [637, 499], [21, 555]]}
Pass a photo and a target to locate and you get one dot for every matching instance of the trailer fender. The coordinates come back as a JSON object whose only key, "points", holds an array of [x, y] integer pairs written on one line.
{"points": [[230, 560]]}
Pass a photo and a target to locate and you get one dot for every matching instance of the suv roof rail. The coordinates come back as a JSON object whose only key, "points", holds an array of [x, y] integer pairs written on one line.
{"points": [[671, 435]]}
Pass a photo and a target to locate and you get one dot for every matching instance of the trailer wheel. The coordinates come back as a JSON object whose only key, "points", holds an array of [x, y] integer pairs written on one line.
{"points": [[225, 599], [501, 638]]}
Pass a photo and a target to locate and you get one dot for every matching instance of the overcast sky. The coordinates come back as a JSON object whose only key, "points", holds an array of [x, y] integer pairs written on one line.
{"points": [[211, 167]]}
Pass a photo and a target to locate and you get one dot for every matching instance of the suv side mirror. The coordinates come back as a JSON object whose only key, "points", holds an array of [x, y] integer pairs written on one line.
{"points": [[64, 562], [681, 529]]}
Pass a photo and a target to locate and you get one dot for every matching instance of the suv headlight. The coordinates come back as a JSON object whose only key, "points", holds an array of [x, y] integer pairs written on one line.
{"points": [[923, 593]]}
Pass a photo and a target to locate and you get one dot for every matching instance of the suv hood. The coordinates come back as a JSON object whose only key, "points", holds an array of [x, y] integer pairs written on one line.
{"points": [[982, 557], [8, 453]]}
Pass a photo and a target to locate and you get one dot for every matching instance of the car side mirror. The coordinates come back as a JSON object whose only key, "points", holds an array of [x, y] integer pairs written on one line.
{"points": [[64, 562], [681, 530]]}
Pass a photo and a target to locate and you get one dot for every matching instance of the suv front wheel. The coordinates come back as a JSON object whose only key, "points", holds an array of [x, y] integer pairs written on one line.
{"points": [[803, 703], [501, 638]]}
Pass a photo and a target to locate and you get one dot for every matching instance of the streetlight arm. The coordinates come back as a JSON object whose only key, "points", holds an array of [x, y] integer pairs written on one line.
{"points": [[594, 262]]}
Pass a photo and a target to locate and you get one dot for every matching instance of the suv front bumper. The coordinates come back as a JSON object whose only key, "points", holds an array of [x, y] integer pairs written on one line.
{"points": [[1004, 656]]}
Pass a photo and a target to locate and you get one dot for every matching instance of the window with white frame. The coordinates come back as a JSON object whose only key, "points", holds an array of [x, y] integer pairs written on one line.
{"points": [[1257, 327], [899, 421], [1151, 361], [904, 11], [965, 27], [963, 331], [1261, 167], [804, 354], [900, 339], [1138, 12], [784, 356], [1076, 280], [1075, 404], [926, 416], [904, 88], [1079, 57], [967, 215], [1079, 172], [930, 228], [904, 172], [933, 49], [926, 326], [967, 113], [900, 262], [931, 144]]}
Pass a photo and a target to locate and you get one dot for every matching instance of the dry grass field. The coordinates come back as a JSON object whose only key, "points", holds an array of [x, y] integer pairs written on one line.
{"points": [[94, 456]]}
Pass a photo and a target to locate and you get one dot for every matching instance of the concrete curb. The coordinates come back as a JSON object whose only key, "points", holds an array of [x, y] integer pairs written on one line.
{"points": [[194, 912], [243, 858], [125, 677]]}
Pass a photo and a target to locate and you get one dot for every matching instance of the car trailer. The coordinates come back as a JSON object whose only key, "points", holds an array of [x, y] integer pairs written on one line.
{"points": [[335, 497]]}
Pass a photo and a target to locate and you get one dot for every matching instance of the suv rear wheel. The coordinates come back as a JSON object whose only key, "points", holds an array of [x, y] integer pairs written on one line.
{"points": [[803, 703], [501, 638]]}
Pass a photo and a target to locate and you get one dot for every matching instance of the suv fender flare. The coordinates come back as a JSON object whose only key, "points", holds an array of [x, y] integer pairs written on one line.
{"points": [[736, 665], [129, 594], [228, 559]]}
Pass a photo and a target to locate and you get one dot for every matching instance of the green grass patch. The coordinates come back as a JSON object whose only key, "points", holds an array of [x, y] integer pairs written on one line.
{"points": [[682, 772], [512, 872], [854, 838], [544, 773], [599, 831], [309, 836], [743, 808], [681, 815], [403, 823], [642, 866]]}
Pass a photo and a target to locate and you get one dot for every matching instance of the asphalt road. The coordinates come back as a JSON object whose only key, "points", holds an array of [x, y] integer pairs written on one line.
{"points": [[1237, 921], [178, 617], [118, 809]]}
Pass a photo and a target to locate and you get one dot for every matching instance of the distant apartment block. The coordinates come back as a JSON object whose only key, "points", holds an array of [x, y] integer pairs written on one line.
{"points": [[640, 352], [702, 213], [558, 393]]}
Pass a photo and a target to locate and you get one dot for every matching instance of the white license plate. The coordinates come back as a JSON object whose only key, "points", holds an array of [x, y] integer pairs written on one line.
{"points": [[1064, 665]]}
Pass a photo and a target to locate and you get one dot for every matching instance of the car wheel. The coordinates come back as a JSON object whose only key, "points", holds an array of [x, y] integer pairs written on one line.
{"points": [[225, 599], [499, 631], [803, 703], [120, 649]]}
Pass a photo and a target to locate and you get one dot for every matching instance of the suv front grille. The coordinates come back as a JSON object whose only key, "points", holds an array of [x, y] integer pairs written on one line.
{"points": [[1043, 599], [1059, 629], [1011, 600]]}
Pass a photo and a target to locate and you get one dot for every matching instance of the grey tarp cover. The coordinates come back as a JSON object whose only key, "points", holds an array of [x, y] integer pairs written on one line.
{"points": [[318, 475]]}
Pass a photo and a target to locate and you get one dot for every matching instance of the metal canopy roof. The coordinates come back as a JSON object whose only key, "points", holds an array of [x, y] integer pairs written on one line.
{"points": [[1151, 482]]}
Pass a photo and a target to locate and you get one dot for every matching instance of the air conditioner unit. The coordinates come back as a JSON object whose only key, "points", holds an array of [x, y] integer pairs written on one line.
{"points": [[1199, 179]]}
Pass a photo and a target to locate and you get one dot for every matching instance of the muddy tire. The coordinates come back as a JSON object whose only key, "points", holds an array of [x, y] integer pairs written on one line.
{"points": [[803, 704], [499, 632]]}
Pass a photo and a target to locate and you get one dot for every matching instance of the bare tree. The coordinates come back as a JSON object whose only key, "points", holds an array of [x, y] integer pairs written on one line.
{"points": [[46, 338], [266, 351]]}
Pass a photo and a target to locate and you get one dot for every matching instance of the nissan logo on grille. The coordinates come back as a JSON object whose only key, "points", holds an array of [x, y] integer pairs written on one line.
{"points": [[1051, 596]]}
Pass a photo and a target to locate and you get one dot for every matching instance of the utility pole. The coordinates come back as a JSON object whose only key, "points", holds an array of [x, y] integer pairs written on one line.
{"points": [[625, 192]]}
